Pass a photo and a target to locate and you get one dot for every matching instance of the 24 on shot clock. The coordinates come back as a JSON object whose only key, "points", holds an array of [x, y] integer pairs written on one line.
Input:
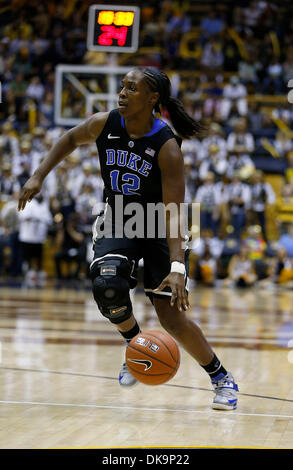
{"points": [[113, 28]]}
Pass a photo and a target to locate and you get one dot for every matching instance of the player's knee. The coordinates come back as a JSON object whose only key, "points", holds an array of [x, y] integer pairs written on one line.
{"points": [[110, 283]]}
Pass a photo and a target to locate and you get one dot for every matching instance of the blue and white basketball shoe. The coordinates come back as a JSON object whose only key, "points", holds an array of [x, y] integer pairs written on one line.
{"points": [[126, 379], [226, 393]]}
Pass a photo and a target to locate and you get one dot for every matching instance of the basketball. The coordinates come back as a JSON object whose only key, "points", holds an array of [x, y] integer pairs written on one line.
{"points": [[153, 357]]}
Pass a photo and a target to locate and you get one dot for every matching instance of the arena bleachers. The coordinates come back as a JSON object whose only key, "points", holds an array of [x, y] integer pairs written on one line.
{"points": [[228, 62]]}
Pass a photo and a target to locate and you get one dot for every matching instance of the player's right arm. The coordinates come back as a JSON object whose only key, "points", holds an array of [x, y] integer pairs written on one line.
{"points": [[85, 133]]}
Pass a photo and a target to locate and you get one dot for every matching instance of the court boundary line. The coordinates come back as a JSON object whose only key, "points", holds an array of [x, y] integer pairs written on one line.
{"points": [[135, 408], [189, 387]]}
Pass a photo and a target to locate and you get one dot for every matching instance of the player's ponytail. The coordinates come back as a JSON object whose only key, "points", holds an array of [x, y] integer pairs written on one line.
{"points": [[185, 126]]}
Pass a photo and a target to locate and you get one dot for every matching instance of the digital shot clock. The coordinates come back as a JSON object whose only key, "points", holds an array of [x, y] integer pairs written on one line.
{"points": [[113, 28]]}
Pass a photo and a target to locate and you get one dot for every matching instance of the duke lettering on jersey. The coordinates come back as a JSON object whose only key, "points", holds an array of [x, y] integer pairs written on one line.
{"points": [[130, 166], [131, 161]]}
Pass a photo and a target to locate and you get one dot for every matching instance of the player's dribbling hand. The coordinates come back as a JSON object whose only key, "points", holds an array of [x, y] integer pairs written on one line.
{"points": [[30, 189], [176, 282]]}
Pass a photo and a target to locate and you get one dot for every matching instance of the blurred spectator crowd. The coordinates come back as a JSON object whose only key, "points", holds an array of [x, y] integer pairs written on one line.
{"points": [[230, 64]]}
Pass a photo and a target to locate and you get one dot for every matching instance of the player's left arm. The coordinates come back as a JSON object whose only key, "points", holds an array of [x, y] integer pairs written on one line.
{"points": [[173, 186]]}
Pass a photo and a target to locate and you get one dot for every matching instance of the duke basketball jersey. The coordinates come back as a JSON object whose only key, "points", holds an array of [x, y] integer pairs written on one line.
{"points": [[129, 167]]}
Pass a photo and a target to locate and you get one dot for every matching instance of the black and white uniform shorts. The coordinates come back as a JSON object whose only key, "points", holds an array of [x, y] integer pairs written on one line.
{"points": [[155, 255]]}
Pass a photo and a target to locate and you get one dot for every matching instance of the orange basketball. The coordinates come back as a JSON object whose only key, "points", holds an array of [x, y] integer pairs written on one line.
{"points": [[153, 357]]}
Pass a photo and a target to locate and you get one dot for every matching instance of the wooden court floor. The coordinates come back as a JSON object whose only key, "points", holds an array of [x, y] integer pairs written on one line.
{"points": [[60, 361]]}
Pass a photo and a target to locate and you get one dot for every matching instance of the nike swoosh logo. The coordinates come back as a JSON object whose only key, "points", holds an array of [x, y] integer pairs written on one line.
{"points": [[148, 364], [113, 136]]}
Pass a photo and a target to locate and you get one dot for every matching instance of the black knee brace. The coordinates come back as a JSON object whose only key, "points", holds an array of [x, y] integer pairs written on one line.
{"points": [[111, 281]]}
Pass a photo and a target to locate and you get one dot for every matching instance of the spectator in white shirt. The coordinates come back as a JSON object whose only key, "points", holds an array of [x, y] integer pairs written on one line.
{"points": [[25, 156], [234, 94], [74, 175], [192, 149], [240, 139], [90, 155], [215, 244], [35, 89], [241, 271], [214, 162], [240, 162], [34, 222], [209, 198], [215, 136]]}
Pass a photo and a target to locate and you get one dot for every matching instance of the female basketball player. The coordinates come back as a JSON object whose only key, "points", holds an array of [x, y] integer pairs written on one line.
{"points": [[141, 162]]}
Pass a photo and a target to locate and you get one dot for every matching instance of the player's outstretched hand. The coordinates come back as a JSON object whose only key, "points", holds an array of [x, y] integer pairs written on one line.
{"points": [[177, 283], [29, 190]]}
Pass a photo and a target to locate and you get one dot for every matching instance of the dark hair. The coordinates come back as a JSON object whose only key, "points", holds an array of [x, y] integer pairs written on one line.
{"points": [[158, 81]]}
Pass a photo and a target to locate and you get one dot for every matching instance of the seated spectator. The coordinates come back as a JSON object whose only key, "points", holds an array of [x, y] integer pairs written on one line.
{"points": [[47, 110], [280, 270], [9, 223], [63, 201], [257, 246], [214, 162], [39, 139], [206, 238], [248, 71], [209, 199], [286, 241], [179, 21], [193, 89], [213, 99], [18, 87], [252, 14], [222, 187], [284, 113], [211, 25], [35, 89], [234, 95], [85, 204], [215, 137], [24, 157], [8, 183], [238, 200], [241, 163], [262, 196], [212, 58], [255, 117], [24, 173], [240, 139], [90, 155], [273, 81], [9, 141], [72, 249], [206, 268], [192, 149], [241, 272]]}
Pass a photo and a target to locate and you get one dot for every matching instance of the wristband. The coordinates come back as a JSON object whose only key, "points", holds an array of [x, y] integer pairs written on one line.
{"points": [[177, 267]]}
